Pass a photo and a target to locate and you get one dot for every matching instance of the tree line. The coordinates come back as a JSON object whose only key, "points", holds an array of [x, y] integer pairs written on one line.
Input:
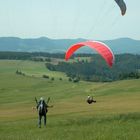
{"points": [[28, 55], [126, 66]]}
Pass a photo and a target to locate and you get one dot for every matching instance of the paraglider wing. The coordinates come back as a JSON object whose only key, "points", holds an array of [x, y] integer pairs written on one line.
{"points": [[122, 6], [100, 47]]}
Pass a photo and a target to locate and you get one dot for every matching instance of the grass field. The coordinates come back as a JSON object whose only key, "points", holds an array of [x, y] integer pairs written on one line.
{"points": [[115, 116]]}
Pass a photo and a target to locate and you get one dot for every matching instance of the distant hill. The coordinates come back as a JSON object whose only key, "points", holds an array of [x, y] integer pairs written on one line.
{"points": [[44, 44]]}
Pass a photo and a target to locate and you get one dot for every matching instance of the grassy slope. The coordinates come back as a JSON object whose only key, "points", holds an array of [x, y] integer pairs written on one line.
{"points": [[115, 115]]}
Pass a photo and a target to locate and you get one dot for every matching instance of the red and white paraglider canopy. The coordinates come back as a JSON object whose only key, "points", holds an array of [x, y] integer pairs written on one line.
{"points": [[100, 47]]}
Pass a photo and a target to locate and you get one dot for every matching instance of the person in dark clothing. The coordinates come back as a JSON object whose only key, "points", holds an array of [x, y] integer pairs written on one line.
{"points": [[42, 108], [90, 99]]}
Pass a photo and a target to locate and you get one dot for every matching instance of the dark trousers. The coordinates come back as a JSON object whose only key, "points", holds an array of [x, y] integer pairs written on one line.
{"points": [[40, 117]]}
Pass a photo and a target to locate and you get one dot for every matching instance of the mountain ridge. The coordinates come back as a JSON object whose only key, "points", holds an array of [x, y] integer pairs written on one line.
{"points": [[45, 44]]}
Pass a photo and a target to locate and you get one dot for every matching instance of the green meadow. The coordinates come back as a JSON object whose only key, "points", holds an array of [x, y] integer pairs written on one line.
{"points": [[115, 115]]}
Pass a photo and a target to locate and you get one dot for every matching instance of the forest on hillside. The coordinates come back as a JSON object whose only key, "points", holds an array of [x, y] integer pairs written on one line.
{"points": [[89, 67], [126, 66]]}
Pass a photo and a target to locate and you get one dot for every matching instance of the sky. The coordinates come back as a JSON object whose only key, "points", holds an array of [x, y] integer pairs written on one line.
{"points": [[59, 19]]}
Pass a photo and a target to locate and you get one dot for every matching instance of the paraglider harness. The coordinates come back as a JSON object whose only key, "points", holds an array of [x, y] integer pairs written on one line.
{"points": [[42, 107], [90, 100]]}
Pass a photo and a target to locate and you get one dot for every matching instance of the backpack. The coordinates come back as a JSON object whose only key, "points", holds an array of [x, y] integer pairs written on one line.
{"points": [[42, 107]]}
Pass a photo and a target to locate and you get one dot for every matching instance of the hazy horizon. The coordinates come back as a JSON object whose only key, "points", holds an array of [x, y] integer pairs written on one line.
{"points": [[60, 19], [64, 38]]}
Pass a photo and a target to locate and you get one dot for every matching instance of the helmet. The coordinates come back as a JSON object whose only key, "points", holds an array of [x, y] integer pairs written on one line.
{"points": [[41, 99]]}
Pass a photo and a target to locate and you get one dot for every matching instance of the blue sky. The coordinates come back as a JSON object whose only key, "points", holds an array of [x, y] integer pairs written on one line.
{"points": [[91, 19]]}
